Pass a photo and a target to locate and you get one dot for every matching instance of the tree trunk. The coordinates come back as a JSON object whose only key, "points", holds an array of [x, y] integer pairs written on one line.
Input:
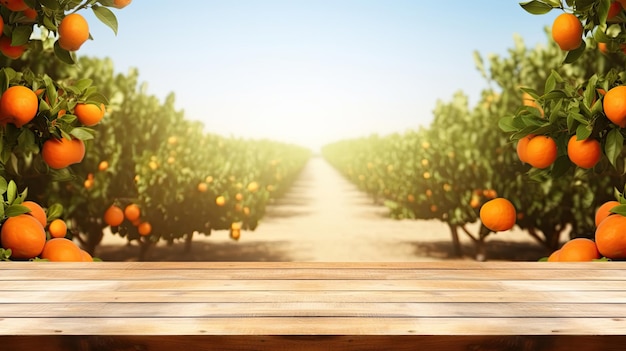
{"points": [[456, 243]]}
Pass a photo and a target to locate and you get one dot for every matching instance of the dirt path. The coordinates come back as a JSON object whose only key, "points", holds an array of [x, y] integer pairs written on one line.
{"points": [[326, 218]]}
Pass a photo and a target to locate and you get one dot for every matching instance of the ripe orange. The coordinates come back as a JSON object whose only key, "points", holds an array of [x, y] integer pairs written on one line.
{"points": [[36, 211], [614, 105], [498, 214], [10, 51], [579, 250], [144, 228], [30, 13], [584, 153], [603, 48], [60, 153], [24, 235], [73, 32], [604, 211], [522, 145], [541, 151], [120, 4], [202, 187], [113, 216], [86, 257], [554, 257], [220, 200], [18, 105], [611, 237], [528, 100], [103, 166], [132, 212], [253, 187], [89, 114], [57, 228], [567, 31], [61, 250], [14, 5], [614, 10]]}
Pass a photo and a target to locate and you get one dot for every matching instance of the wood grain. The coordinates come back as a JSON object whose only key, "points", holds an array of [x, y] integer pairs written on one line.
{"points": [[313, 306]]}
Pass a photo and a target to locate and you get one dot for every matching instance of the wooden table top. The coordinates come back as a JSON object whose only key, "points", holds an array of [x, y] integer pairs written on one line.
{"points": [[313, 299]]}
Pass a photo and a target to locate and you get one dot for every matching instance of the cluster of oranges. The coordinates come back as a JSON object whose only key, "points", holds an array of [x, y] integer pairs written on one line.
{"points": [[31, 235], [541, 151], [72, 30], [610, 239], [114, 216]]}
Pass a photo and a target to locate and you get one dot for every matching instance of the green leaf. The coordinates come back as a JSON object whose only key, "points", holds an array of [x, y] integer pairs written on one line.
{"points": [[82, 133], [573, 55], [106, 16], [3, 185], [536, 7], [63, 54], [614, 145], [507, 124], [11, 192], [619, 209], [21, 35], [54, 211], [582, 132], [16, 210]]}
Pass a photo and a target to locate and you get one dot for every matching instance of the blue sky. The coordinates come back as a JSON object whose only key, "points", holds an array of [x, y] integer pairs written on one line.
{"points": [[311, 72]]}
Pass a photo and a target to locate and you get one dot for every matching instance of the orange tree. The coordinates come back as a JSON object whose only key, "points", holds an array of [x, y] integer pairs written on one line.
{"points": [[43, 126], [584, 115]]}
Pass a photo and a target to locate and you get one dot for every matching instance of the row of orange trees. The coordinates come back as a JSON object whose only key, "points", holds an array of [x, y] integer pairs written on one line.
{"points": [[184, 180], [131, 150], [467, 156]]}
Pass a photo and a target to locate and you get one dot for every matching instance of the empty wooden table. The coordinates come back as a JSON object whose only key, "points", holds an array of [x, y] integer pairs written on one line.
{"points": [[312, 306]]}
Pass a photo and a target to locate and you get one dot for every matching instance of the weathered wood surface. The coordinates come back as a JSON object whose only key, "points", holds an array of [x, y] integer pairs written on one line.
{"points": [[313, 306]]}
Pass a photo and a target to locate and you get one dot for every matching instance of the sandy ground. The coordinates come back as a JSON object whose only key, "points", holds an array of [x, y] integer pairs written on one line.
{"points": [[326, 218]]}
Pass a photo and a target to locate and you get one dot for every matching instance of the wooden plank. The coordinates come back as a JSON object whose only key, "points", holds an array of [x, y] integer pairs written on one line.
{"points": [[313, 285], [580, 297], [312, 326], [393, 266], [313, 274], [314, 343], [72, 309]]}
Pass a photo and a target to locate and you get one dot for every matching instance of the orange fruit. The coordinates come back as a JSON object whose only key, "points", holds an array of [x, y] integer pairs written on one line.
{"points": [[474, 202], [60, 153], [220, 200], [24, 235], [30, 13], [579, 250], [554, 257], [614, 105], [567, 31], [57, 228], [604, 211], [103, 166], [528, 100], [132, 212], [144, 228], [611, 237], [120, 4], [73, 32], [614, 10], [61, 250], [86, 257], [36, 211], [541, 151], [113, 216], [18, 105], [203, 187], [14, 5], [584, 153], [521, 147], [253, 187], [10, 51], [89, 114], [498, 214], [603, 48]]}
